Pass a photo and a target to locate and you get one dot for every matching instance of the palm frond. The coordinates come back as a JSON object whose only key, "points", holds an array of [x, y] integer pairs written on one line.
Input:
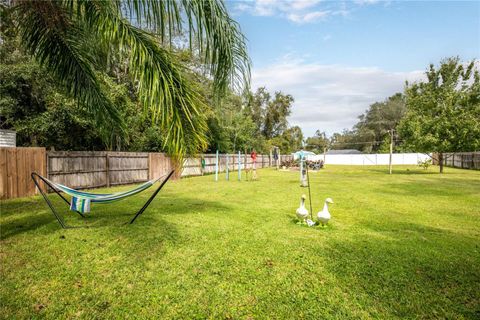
{"points": [[221, 43], [55, 41], [162, 85], [56, 33]]}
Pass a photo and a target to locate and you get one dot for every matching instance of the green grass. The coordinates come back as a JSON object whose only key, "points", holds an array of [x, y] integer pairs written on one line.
{"points": [[398, 246]]}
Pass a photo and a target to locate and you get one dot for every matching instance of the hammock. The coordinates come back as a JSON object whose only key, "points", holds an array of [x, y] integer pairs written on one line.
{"points": [[80, 201]]}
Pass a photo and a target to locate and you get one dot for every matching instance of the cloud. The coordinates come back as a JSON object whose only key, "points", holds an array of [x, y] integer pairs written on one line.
{"points": [[300, 11], [370, 2], [330, 97], [297, 11], [366, 2], [308, 17]]}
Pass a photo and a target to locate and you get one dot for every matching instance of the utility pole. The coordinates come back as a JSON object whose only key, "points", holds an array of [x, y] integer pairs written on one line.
{"points": [[391, 151]]}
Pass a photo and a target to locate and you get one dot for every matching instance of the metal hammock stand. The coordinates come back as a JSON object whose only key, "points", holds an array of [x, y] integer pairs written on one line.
{"points": [[95, 197]]}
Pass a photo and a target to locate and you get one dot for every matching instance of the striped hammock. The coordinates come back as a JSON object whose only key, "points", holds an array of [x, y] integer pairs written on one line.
{"points": [[81, 200]]}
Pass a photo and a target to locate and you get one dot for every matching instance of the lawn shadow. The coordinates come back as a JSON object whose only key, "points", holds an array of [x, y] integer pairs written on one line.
{"points": [[401, 171], [18, 217], [411, 269], [450, 186]]}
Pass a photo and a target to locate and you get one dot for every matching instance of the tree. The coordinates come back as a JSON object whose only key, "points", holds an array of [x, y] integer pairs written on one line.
{"points": [[289, 141], [375, 124], [257, 106], [269, 115], [318, 143], [347, 139], [74, 40], [275, 122], [372, 129], [231, 128], [443, 113], [34, 105]]}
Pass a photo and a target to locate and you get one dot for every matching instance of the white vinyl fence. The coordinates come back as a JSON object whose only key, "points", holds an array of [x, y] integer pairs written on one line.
{"points": [[371, 159]]}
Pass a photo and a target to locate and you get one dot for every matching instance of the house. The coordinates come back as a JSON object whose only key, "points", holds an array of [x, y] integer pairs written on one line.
{"points": [[8, 138]]}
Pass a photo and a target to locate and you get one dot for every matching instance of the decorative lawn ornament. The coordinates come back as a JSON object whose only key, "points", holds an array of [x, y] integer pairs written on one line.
{"points": [[303, 170], [202, 162], [302, 212], [324, 215]]}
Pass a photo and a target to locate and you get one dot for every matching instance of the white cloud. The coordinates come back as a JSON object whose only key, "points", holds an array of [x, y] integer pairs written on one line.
{"points": [[301, 11], [298, 11], [366, 2], [330, 97], [308, 17], [303, 4], [369, 2]]}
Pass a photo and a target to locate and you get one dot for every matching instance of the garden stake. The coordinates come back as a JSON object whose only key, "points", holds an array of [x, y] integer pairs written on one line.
{"points": [[309, 193]]}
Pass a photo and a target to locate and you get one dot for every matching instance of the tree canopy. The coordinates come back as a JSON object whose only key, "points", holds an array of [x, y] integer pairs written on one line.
{"points": [[77, 40], [43, 114], [443, 113], [370, 133]]}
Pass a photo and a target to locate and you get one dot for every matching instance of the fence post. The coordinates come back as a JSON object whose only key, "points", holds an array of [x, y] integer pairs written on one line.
{"points": [[227, 171], [107, 169], [216, 167], [239, 168]]}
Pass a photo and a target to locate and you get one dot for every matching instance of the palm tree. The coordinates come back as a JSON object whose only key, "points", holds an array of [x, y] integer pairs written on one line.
{"points": [[68, 36]]}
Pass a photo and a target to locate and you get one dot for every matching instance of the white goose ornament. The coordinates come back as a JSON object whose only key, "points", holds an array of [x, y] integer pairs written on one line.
{"points": [[324, 215], [302, 212]]}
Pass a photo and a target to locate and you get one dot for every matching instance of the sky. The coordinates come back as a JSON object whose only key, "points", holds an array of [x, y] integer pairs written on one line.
{"points": [[338, 57]]}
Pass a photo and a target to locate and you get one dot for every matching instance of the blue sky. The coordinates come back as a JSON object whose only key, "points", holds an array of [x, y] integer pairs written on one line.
{"points": [[338, 57]]}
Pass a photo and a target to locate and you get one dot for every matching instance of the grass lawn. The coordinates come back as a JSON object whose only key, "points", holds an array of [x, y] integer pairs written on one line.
{"points": [[399, 246]]}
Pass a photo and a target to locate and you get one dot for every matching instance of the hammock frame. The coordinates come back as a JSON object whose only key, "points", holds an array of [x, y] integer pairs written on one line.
{"points": [[36, 177]]}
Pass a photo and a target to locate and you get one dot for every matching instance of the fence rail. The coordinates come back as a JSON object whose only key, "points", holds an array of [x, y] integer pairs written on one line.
{"points": [[371, 159], [193, 167], [94, 169], [464, 160]]}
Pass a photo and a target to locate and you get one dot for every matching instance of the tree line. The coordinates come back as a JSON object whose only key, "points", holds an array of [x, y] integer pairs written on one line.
{"points": [[94, 79], [37, 107], [440, 114], [110, 61]]}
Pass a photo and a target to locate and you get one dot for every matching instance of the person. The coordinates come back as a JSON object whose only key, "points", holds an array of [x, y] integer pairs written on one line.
{"points": [[253, 155], [275, 156]]}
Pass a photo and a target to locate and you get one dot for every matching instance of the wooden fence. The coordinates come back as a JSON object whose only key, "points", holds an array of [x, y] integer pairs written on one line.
{"points": [[464, 160], [16, 165], [193, 167], [94, 169]]}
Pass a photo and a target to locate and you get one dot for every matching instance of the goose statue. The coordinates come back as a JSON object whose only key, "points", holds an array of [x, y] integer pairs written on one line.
{"points": [[302, 212], [324, 216]]}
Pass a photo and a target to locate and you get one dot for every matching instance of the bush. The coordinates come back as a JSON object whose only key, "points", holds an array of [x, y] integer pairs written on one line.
{"points": [[425, 163]]}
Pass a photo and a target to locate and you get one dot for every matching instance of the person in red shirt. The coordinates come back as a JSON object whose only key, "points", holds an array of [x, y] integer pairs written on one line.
{"points": [[253, 155]]}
